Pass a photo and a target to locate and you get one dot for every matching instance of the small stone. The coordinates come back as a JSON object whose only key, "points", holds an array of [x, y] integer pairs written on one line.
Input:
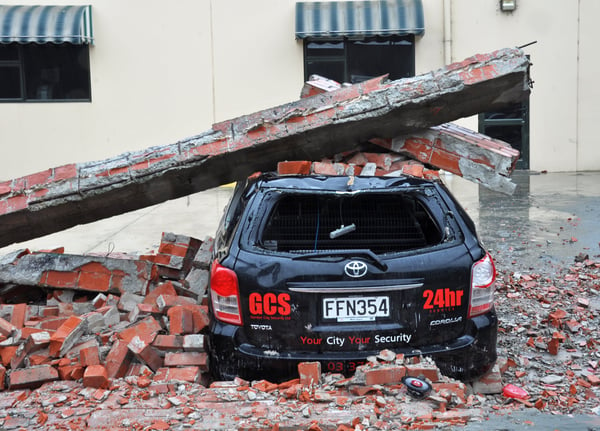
{"points": [[551, 379]]}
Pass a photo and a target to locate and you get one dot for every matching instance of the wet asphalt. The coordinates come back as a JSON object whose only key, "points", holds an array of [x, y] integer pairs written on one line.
{"points": [[551, 219]]}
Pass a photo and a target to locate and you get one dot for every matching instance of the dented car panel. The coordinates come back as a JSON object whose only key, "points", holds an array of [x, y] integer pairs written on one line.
{"points": [[335, 269]]}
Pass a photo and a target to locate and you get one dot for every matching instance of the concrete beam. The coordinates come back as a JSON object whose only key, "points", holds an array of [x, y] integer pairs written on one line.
{"points": [[310, 128]]}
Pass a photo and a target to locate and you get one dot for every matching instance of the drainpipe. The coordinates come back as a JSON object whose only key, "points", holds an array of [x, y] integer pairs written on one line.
{"points": [[447, 31]]}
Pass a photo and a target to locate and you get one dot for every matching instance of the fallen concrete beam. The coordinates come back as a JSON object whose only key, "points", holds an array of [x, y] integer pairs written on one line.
{"points": [[471, 155], [466, 153], [309, 128]]}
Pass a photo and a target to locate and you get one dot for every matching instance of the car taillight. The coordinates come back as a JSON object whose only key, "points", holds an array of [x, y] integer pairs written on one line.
{"points": [[483, 278], [225, 294]]}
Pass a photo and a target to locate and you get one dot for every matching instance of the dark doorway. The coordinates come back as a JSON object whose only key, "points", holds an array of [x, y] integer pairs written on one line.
{"points": [[510, 125]]}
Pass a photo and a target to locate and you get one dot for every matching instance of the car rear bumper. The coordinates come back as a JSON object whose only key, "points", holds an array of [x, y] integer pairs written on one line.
{"points": [[465, 358]]}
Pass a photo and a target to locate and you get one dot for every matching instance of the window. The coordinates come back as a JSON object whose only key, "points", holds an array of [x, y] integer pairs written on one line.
{"points": [[350, 60], [39, 72]]}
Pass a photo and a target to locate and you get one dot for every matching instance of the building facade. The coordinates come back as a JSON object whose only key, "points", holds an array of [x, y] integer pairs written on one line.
{"points": [[96, 80]]}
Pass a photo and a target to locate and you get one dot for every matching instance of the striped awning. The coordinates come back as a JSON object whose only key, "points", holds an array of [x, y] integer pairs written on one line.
{"points": [[43, 24], [357, 19]]}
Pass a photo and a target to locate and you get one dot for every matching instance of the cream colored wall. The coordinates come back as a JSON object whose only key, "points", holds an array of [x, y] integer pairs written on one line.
{"points": [[258, 62], [588, 91], [165, 71], [151, 85], [480, 26]]}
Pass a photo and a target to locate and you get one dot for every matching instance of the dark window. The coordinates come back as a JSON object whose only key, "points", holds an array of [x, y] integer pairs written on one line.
{"points": [[358, 60], [510, 125], [33, 72], [381, 223]]}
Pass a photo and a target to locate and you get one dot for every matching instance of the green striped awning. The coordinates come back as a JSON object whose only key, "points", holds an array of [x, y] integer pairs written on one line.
{"points": [[43, 24], [359, 18]]}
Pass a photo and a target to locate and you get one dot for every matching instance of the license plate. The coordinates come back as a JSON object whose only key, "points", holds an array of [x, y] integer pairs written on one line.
{"points": [[356, 308]]}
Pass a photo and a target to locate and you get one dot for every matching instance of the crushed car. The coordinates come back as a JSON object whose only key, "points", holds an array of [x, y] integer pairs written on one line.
{"points": [[335, 269]]}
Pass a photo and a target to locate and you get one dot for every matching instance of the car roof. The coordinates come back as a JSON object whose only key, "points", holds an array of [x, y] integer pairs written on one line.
{"points": [[340, 182]]}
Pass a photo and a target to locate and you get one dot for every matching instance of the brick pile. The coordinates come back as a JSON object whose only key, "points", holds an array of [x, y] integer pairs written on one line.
{"points": [[360, 163], [115, 342], [97, 318]]}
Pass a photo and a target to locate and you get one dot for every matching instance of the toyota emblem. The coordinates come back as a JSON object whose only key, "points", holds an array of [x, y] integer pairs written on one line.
{"points": [[355, 269]]}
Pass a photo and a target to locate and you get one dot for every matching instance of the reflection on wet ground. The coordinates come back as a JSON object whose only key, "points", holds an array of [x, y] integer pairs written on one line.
{"points": [[548, 221]]}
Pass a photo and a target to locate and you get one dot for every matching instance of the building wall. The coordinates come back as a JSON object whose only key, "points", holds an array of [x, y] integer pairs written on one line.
{"points": [[164, 71]]}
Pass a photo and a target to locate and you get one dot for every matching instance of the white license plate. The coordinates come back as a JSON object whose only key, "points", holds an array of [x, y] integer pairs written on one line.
{"points": [[356, 308]]}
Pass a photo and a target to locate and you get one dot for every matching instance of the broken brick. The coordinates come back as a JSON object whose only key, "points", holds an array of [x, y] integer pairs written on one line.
{"points": [[185, 359], [310, 373], [31, 377], [145, 329], [66, 335], [118, 359], [385, 375], [95, 376], [145, 353]]}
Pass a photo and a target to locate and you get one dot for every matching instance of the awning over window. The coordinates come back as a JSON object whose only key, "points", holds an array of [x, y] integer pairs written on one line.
{"points": [[359, 18], [43, 24]]}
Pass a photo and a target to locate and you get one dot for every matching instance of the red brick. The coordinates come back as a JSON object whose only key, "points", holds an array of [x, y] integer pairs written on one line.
{"points": [[6, 353], [95, 376], [162, 289], [181, 321], [593, 379], [38, 178], [52, 324], [118, 360], [39, 359], [32, 377], [5, 187], [6, 328], [294, 167], [19, 315], [70, 372], [59, 279], [164, 302], [185, 359], [37, 341], [325, 168], [385, 375], [65, 172], [429, 371], [66, 335], [173, 249], [89, 356], [459, 389], [553, 346], [145, 353], [415, 170], [2, 378], [168, 342], [310, 373], [146, 330], [381, 160], [186, 374], [94, 277]]}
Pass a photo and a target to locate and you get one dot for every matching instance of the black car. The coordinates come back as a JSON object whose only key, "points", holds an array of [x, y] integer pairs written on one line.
{"points": [[337, 268]]}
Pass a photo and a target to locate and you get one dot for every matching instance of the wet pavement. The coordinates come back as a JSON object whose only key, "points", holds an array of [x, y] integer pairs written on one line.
{"points": [[549, 220]]}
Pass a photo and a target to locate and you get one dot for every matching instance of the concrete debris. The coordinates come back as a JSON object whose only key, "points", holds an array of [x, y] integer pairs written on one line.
{"points": [[466, 153], [110, 368], [310, 128]]}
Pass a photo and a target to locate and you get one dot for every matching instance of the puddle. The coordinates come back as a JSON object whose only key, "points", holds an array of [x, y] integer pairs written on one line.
{"points": [[550, 219]]}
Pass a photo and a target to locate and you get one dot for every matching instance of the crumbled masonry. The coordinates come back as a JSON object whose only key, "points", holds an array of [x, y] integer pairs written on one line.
{"points": [[75, 357], [308, 129]]}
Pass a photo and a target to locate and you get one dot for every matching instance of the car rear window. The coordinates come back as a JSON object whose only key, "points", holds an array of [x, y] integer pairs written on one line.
{"points": [[380, 222]]}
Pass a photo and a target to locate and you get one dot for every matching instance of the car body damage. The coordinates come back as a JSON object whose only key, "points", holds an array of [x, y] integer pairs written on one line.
{"points": [[335, 269]]}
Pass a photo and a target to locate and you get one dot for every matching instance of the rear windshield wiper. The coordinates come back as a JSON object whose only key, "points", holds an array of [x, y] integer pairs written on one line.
{"points": [[364, 253]]}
